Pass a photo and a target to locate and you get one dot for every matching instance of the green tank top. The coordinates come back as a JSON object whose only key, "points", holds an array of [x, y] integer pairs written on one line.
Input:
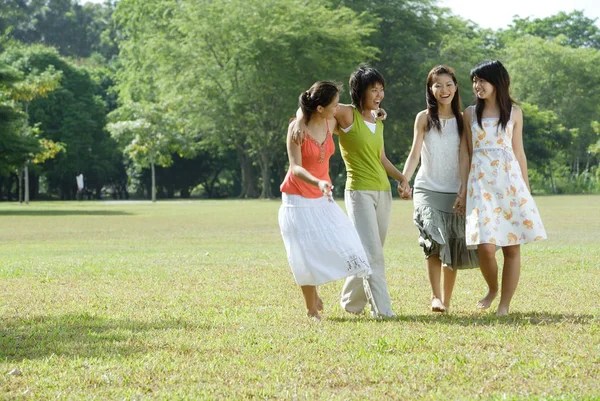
{"points": [[361, 150]]}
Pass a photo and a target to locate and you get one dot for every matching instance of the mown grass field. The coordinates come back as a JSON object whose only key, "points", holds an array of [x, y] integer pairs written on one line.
{"points": [[194, 300]]}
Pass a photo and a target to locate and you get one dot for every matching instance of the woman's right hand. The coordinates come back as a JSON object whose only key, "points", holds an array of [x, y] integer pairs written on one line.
{"points": [[404, 190], [326, 188]]}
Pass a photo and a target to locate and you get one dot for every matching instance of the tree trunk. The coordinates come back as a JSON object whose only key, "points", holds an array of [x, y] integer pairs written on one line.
{"points": [[153, 182], [26, 182], [552, 182], [265, 168], [20, 186], [249, 181]]}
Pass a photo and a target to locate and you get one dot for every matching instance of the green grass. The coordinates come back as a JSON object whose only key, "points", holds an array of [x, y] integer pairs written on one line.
{"points": [[195, 300]]}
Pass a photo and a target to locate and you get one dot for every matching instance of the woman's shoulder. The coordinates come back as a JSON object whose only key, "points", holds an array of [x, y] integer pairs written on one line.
{"points": [[469, 109], [421, 117]]}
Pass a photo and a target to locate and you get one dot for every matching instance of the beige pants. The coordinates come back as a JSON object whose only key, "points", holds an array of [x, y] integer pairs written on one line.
{"points": [[369, 211]]}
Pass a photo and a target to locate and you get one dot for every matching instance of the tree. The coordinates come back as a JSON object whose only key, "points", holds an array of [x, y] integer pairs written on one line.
{"points": [[35, 86], [575, 28], [229, 68], [73, 114], [562, 79], [149, 136], [14, 148], [544, 139], [75, 30]]}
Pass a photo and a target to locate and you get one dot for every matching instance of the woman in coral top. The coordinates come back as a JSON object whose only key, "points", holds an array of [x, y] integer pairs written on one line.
{"points": [[322, 244]]}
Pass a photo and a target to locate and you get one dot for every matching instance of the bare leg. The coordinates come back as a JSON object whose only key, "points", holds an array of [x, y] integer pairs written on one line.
{"points": [[449, 280], [489, 269], [310, 297], [318, 301], [510, 277], [434, 269]]}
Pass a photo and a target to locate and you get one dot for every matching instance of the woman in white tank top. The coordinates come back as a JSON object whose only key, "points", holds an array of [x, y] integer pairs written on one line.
{"points": [[437, 141]]}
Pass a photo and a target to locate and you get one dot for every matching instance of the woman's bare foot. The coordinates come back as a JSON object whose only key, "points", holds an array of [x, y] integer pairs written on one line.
{"points": [[437, 305], [319, 303], [502, 311], [313, 315], [486, 301]]}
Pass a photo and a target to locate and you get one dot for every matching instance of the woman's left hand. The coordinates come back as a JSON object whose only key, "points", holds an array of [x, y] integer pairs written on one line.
{"points": [[460, 204]]}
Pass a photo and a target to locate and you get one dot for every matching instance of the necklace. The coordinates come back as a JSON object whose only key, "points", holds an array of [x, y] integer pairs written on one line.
{"points": [[321, 145]]}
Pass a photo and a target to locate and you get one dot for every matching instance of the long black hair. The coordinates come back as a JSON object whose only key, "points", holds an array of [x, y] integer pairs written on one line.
{"points": [[494, 72], [433, 118]]}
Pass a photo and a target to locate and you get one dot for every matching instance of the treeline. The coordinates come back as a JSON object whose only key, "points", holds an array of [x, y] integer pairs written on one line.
{"points": [[193, 97]]}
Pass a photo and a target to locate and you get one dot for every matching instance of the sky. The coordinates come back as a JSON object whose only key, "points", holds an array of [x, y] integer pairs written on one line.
{"points": [[479, 12]]}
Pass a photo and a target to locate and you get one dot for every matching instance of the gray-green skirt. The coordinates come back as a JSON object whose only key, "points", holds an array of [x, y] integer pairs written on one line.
{"points": [[441, 231]]}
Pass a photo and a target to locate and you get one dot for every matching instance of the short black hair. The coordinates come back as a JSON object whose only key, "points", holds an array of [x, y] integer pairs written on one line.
{"points": [[360, 80]]}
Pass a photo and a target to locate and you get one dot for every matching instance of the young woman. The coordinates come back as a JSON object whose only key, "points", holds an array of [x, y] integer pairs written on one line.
{"points": [[368, 198], [500, 210], [437, 140], [321, 243]]}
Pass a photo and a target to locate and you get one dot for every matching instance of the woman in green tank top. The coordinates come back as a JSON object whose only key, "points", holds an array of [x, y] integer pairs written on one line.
{"points": [[368, 198]]}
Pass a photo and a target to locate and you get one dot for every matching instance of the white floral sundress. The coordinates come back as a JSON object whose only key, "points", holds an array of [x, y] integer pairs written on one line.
{"points": [[500, 209]]}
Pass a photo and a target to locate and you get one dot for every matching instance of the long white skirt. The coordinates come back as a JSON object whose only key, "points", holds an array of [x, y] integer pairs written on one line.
{"points": [[322, 244]]}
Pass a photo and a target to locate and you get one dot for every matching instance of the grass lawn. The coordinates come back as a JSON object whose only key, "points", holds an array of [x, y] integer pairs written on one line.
{"points": [[195, 300]]}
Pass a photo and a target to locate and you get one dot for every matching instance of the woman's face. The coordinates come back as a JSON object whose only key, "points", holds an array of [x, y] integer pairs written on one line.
{"points": [[483, 89], [443, 88], [373, 97], [328, 112]]}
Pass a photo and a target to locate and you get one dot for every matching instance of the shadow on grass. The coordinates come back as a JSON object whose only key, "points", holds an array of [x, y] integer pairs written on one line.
{"points": [[81, 335], [49, 213], [483, 319]]}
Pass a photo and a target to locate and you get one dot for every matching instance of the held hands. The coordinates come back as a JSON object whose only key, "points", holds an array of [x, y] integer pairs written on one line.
{"points": [[326, 188], [460, 204], [404, 189], [379, 114]]}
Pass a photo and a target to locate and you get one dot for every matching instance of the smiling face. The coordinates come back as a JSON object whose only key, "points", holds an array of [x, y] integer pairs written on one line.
{"points": [[483, 89], [373, 97], [443, 88]]}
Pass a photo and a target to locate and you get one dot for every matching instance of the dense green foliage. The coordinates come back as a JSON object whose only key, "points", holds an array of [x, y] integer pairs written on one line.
{"points": [[224, 78]]}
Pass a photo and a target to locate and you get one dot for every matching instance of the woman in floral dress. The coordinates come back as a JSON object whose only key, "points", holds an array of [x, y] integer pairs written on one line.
{"points": [[500, 211]]}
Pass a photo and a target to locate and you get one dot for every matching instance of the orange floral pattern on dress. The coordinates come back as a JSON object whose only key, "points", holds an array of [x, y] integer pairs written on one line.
{"points": [[500, 209]]}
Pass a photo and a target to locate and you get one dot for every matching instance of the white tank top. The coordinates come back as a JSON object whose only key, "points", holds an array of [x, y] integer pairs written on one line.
{"points": [[439, 169]]}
